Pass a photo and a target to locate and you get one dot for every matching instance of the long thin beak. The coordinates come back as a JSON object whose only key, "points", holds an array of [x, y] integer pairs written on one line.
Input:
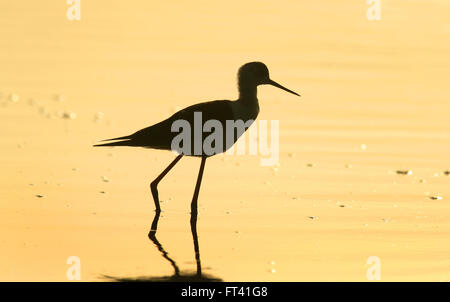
{"points": [[273, 83]]}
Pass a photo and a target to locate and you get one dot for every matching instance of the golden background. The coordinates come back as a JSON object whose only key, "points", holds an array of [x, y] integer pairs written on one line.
{"points": [[375, 99]]}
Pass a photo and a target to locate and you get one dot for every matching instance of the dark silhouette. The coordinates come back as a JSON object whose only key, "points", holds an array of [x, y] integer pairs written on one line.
{"points": [[161, 136], [152, 237], [245, 108]]}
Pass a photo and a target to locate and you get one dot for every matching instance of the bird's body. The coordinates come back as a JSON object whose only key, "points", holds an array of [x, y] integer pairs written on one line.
{"points": [[215, 114], [160, 135]]}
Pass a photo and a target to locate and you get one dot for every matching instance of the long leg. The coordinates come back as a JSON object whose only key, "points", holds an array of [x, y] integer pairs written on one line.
{"points": [[194, 212], [154, 184]]}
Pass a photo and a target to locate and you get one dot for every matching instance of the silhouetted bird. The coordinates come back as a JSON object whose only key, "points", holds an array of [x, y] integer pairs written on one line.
{"points": [[162, 135]]}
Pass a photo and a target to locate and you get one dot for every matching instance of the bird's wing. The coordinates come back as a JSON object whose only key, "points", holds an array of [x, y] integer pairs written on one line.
{"points": [[160, 135]]}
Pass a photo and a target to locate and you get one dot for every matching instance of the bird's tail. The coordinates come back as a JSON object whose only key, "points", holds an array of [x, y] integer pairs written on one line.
{"points": [[117, 138], [122, 141]]}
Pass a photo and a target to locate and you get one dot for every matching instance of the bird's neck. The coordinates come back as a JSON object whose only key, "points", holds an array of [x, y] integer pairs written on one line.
{"points": [[247, 106], [247, 92]]}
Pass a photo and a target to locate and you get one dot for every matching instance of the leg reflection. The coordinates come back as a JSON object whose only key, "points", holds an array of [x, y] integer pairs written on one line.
{"points": [[177, 276], [152, 236]]}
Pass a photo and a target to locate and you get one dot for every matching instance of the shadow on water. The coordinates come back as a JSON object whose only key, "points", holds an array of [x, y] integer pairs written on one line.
{"points": [[177, 276]]}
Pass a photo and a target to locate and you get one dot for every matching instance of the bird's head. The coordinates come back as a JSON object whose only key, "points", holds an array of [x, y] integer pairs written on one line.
{"points": [[257, 73]]}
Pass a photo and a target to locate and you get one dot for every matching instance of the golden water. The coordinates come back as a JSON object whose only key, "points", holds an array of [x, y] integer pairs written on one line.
{"points": [[375, 99]]}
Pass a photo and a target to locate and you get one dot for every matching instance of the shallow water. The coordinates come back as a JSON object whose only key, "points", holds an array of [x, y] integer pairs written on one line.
{"points": [[374, 101]]}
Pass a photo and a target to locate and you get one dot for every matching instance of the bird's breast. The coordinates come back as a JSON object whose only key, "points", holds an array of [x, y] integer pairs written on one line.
{"points": [[245, 110]]}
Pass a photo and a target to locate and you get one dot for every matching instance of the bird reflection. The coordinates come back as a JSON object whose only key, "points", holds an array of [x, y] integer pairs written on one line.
{"points": [[178, 275], [152, 237]]}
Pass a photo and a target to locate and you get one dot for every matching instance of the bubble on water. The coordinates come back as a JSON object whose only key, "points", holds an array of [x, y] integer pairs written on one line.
{"points": [[98, 116], [59, 97], [404, 172], [69, 115], [437, 197], [363, 147], [13, 97], [105, 179]]}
